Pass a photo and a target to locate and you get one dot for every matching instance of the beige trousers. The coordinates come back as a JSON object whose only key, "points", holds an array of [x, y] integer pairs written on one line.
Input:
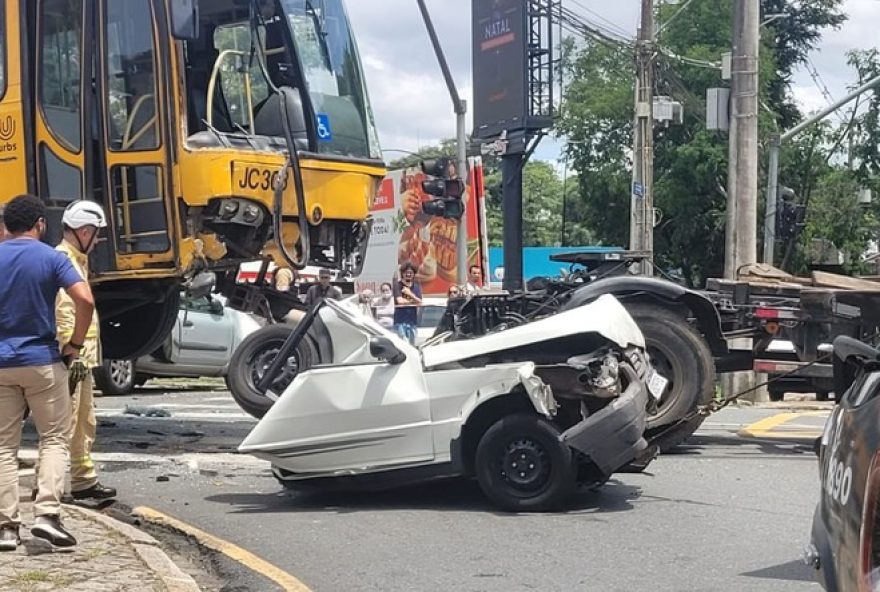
{"points": [[44, 390], [82, 436]]}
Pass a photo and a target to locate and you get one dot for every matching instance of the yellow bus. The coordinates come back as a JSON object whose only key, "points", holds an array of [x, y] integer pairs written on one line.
{"points": [[208, 131]]}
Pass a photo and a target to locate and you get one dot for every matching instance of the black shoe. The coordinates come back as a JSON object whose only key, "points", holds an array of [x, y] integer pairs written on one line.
{"points": [[66, 498], [49, 527], [9, 539], [96, 491]]}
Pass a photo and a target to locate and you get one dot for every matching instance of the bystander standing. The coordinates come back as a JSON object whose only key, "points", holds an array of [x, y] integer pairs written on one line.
{"points": [[323, 290], [33, 371], [407, 299], [475, 279], [82, 222], [384, 305], [365, 303]]}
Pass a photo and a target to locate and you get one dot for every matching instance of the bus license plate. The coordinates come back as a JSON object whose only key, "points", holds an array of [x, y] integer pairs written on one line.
{"points": [[657, 384]]}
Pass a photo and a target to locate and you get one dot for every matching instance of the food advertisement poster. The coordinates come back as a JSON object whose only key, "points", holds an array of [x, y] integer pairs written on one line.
{"points": [[402, 232]]}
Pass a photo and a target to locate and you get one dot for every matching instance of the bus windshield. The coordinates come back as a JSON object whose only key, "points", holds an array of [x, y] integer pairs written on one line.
{"points": [[244, 55], [332, 69]]}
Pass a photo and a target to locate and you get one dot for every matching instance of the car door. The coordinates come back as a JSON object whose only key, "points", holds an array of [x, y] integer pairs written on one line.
{"points": [[204, 334], [359, 414]]}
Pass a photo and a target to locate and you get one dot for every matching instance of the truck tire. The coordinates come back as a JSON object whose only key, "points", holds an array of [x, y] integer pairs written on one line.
{"points": [[679, 353], [114, 377], [544, 483], [251, 359]]}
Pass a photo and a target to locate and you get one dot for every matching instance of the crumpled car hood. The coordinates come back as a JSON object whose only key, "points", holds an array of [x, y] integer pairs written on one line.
{"points": [[605, 317]]}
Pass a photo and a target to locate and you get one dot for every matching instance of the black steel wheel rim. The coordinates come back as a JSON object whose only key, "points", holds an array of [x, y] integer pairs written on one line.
{"points": [[261, 360], [525, 466]]}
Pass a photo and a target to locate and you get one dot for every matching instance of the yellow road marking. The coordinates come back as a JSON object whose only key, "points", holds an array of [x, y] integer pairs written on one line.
{"points": [[287, 582], [766, 428]]}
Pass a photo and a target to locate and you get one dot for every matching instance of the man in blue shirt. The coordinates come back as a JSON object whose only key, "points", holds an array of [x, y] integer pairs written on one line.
{"points": [[33, 372]]}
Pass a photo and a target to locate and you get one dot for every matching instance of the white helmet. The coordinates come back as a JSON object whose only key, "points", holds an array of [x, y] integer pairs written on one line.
{"points": [[84, 213]]}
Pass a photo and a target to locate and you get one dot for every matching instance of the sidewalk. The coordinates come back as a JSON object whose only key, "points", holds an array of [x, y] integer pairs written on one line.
{"points": [[110, 556]]}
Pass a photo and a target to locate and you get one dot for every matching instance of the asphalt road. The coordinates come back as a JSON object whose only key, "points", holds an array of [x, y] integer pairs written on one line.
{"points": [[727, 513]]}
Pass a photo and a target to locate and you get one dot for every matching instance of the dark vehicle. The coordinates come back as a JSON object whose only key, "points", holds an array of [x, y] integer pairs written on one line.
{"points": [[845, 546]]}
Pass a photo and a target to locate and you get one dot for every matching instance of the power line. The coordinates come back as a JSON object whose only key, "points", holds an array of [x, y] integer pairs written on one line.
{"points": [[577, 24], [611, 25], [811, 69]]}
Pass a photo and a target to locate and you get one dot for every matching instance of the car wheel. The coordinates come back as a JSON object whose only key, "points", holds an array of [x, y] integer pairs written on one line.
{"points": [[522, 466], [777, 395], [115, 377], [253, 357], [822, 395], [679, 353]]}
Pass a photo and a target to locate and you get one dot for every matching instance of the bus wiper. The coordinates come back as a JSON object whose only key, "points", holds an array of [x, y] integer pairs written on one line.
{"points": [[220, 136]]}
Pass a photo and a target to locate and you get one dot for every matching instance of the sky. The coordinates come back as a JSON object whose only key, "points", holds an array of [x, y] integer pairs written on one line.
{"points": [[413, 108]]}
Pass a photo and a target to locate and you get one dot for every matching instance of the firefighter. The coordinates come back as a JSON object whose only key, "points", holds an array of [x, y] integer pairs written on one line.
{"points": [[82, 221]]}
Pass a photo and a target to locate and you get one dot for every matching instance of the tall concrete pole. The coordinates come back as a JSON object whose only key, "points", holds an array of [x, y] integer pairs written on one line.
{"points": [[745, 99], [743, 172], [733, 147], [641, 231]]}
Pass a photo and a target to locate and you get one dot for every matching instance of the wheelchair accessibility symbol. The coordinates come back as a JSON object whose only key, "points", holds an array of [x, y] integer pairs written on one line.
{"points": [[325, 134]]}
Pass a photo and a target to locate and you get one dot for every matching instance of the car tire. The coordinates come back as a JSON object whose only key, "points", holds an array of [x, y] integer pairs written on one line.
{"points": [[115, 377], [548, 480], [254, 355], [778, 395], [680, 354], [823, 395]]}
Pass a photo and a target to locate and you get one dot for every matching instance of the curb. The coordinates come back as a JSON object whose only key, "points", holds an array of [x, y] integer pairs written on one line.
{"points": [[147, 548]]}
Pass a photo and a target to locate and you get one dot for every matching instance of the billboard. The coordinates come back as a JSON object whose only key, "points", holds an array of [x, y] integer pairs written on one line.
{"points": [[500, 35], [402, 232]]}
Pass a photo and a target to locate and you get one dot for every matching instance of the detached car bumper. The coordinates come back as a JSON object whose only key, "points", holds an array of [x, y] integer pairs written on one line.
{"points": [[613, 436]]}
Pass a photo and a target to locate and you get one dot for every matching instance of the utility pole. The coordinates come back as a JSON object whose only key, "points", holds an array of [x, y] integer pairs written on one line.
{"points": [[460, 107], [742, 191], [745, 131], [641, 230], [731, 219]]}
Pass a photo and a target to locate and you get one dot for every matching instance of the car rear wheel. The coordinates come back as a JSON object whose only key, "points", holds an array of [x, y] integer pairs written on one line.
{"points": [[253, 357], [115, 377], [680, 354], [522, 466]]}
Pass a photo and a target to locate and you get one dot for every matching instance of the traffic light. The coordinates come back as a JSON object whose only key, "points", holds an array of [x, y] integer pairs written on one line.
{"points": [[790, 216], [445, 186]]}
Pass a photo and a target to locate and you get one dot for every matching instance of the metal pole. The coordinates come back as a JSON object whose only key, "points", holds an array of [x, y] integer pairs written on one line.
{"points": [[825, 113], [461, 241], [460, 108], [564, 193], [642, 216], [770, 206], [745, 72], [511, 183], [773, 168]]}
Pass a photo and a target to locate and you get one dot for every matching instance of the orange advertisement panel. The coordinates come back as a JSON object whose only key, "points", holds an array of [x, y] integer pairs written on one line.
{"points": [[403, 232]]}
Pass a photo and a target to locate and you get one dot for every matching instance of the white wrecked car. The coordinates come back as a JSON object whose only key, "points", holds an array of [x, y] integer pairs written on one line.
{"points": [[501, 407]]}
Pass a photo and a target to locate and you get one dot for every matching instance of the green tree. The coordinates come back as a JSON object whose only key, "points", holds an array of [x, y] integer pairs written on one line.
{"points": [[542, 206], [690, 162]]}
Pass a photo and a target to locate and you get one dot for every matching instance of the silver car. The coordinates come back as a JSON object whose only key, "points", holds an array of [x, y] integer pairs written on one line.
{"points": [[201, 344]]}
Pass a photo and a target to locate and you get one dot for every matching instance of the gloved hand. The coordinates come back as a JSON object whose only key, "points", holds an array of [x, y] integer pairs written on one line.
{"points": [[77, 371]]}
